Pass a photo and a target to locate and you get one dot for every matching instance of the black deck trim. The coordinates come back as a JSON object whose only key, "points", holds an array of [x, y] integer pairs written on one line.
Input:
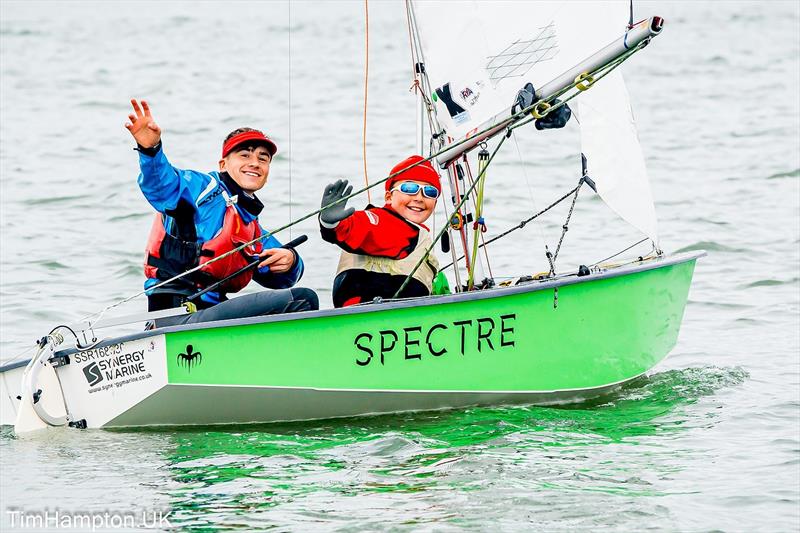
{"points": [[15, 364]]}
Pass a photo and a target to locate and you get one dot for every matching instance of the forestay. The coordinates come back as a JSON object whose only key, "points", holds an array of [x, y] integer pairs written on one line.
{"points": [[479, 54]]}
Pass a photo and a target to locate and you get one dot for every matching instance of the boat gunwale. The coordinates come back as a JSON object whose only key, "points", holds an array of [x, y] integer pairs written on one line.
{"points": [[387, 305], [16, 364]]}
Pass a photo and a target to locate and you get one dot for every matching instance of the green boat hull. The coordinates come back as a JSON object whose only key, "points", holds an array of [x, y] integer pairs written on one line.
{"points": [[534, 344], [545, 343]]}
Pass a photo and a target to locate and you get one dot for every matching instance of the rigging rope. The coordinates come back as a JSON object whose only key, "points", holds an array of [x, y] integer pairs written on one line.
{"points": [[411, 48], [534, 203], [552, 258], [366, 92], [457, 214], [470, 263], [19, 356], [622, 252], [630, 20], [424, 88], [479, 226], [523, 222], [452, 250]]}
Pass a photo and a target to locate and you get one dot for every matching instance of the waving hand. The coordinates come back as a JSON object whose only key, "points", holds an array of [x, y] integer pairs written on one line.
{"points": [[142, 126], [333, 212]]}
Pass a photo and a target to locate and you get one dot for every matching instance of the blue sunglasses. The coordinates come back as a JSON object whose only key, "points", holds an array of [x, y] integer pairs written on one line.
{"points": [[410, 188]]}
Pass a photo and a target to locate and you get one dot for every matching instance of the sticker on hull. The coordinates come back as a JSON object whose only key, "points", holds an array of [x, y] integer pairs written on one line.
{"points": [[101, 383]]}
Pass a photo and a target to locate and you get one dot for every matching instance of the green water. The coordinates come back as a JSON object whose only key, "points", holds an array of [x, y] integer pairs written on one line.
{"points": [[617, 462]]}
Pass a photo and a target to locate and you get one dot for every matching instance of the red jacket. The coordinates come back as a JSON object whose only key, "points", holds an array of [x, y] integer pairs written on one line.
{"points": [[377, 231]]}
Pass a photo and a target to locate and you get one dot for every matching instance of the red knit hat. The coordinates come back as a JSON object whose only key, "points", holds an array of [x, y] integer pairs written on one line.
{"points": [[423, 172]]}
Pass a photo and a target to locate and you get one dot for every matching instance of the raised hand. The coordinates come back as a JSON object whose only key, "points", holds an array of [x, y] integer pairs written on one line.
{"points": [[335, 213], [142, 126]]}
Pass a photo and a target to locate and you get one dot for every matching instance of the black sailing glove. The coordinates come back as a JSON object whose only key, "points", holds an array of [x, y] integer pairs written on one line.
{"points": [[524, 99], [335, 213], [554, 119]]}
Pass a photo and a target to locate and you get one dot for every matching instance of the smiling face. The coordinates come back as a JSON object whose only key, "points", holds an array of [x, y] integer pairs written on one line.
{"points": [[416, 208], [248, 165]]}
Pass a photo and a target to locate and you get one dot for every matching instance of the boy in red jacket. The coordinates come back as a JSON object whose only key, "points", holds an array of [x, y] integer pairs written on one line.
{"points": [[382, 245]]}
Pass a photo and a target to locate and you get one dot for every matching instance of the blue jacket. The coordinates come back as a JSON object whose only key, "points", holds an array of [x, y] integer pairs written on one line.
{"points": [[164, 186]]}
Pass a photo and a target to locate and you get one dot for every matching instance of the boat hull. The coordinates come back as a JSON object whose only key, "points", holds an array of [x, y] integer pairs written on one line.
{"points": [[541, 343], [220, 404]]}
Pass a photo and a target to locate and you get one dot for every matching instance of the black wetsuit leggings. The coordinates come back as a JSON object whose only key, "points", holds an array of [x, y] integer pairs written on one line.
{"points": [[269, 302]]}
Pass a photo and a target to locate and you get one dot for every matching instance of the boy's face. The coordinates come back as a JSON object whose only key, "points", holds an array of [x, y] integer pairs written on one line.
{"points": [[248, 166], [417, 208]]}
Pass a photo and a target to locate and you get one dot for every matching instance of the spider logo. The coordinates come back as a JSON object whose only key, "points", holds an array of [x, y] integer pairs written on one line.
{"points": [[190, 358]]}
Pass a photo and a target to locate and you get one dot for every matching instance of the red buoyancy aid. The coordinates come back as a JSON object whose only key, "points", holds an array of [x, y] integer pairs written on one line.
{"points": [[234, 233]]}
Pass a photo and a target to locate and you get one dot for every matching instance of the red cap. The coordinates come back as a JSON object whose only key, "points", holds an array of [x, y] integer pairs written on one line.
{"points": [[243, 137], [423, 172]]}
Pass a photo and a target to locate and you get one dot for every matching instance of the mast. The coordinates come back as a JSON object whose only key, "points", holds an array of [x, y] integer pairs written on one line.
{"points": [[461, 231], [420, 113]]}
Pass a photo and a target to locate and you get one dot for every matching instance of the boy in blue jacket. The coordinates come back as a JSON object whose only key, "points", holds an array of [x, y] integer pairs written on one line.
{"points": [[202, 216]]}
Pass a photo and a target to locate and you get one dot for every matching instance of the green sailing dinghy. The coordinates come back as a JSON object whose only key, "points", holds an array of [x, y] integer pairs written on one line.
{"points": [[564, 336], [491, 347]]}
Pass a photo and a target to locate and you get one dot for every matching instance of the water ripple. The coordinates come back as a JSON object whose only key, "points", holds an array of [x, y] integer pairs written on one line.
{"points": [[710, 246], [789, 174]]}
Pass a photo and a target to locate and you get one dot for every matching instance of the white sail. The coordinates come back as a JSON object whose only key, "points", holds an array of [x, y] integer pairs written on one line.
{"points": [[615, 161], [611, 144], [479, 54]]}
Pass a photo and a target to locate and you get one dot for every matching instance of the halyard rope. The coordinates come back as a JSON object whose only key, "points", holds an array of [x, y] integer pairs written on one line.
{"points": [[366, 92], [411, 49]]}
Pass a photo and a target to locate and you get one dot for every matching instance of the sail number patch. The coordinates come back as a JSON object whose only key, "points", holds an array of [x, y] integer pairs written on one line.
{"points": [[416, 342]]}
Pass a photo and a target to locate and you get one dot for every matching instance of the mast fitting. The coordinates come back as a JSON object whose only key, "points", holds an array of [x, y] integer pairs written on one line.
{"points": [[583, 81]]}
